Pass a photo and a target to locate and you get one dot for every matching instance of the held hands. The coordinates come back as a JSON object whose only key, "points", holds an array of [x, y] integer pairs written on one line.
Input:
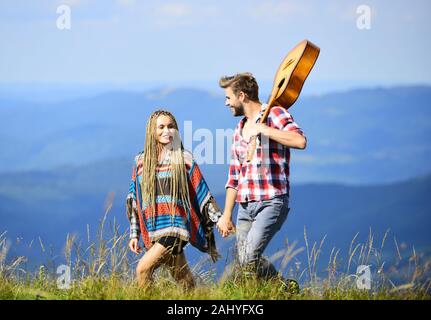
{"points": [[134, 246], [225, 226]]}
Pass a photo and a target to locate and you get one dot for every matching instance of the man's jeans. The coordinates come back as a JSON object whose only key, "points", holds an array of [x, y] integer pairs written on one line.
{"points": [[257, 223]]}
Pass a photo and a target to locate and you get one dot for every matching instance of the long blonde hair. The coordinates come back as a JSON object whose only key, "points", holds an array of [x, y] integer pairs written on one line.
{"points": [[178, 182]]}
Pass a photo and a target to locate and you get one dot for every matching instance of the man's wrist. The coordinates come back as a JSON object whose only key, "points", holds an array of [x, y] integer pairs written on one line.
{"points": [[265, 130]]}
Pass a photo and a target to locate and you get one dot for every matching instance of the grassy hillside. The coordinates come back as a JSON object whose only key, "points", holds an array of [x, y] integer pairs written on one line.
{"points": [[104, 269]]}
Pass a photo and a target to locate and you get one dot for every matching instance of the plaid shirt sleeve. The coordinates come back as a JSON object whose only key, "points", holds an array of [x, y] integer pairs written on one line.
{"points": [[234, 166], [131, 208], [283, 120]]}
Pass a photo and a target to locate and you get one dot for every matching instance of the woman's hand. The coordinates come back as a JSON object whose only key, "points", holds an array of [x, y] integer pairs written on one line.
{"points": [[134, 246], [225, 226]]}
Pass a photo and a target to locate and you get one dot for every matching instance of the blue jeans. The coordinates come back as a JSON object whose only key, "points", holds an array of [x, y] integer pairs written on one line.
{"points": [[257, 223]]}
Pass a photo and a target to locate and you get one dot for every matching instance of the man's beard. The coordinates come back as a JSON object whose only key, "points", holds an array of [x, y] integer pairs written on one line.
{"points": [[238, 111]]}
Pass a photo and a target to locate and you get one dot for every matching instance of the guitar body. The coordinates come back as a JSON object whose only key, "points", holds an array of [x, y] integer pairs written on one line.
{"points": [[292, 73], [288, 81]]}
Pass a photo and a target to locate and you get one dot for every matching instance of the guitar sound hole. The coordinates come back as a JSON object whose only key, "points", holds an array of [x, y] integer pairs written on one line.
{"points": [[281, 82]]}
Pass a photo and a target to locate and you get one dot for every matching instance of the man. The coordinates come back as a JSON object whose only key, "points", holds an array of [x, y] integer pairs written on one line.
{"points": [[260, 186]]}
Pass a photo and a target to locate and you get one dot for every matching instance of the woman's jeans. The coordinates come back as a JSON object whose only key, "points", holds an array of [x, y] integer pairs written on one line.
{"points": [[257, 223]]}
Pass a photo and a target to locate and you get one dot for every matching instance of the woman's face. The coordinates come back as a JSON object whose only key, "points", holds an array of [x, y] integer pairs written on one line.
{"points": [[165, 129]]}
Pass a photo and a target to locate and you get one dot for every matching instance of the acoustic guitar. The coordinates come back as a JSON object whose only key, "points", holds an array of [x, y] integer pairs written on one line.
{"points": [[288, 81]]}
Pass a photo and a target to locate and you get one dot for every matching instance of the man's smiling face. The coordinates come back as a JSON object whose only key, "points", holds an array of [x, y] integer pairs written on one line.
{"points": [[234, 103]]}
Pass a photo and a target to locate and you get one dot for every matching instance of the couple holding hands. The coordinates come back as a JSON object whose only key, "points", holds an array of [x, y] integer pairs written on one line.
{"points": [[169, 203]]}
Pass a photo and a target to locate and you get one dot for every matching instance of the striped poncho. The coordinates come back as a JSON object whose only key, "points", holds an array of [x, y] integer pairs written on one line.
{"points": [[194, 225]]}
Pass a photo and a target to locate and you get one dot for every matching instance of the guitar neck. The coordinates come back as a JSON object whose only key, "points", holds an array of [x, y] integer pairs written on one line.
{"points": [[268, 108]]}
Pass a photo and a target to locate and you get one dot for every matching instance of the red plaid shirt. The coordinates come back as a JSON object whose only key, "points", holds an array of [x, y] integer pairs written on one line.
{"points": [[267, 174]]}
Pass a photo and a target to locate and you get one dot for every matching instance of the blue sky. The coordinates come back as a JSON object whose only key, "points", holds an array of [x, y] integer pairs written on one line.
{"points": [[128, 42]]}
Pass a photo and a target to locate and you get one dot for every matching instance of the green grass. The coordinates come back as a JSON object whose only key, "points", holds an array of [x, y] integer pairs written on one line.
{"points": [[104, 270], [112, 288]]}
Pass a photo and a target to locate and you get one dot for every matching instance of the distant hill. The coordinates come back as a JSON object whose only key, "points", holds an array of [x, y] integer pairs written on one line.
{"points": [[366, 135], [370, 136]]}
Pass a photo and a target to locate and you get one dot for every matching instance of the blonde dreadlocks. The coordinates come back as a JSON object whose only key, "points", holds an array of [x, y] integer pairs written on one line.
{"points": [[178, 182]]}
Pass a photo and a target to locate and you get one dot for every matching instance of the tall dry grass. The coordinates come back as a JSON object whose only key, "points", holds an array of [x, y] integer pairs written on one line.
{"points": [[102, 267]]}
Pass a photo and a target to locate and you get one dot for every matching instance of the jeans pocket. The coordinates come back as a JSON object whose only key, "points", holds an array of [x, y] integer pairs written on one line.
{"points": [[284, 212]]}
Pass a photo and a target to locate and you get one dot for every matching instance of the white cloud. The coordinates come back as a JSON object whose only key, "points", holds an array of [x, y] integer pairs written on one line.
{"points": [[276, 9], [174, 10], [126, 3], [174, 14]]}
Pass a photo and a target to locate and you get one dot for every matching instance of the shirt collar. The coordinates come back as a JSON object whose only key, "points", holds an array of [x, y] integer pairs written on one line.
{"points": [[261, 112]]}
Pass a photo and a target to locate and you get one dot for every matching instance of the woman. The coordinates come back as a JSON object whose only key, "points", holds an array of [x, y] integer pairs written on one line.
{"points": [[169, 204]]}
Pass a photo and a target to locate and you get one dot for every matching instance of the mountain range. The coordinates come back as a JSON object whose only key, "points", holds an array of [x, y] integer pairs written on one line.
{"points": [[365, 166], [362, 136]]}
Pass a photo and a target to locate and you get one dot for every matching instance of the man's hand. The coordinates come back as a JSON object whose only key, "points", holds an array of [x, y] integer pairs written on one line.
{"points": [[257, 128], [225, 226], [134, 246]]}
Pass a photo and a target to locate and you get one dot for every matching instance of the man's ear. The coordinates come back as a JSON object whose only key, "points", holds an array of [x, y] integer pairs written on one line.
{"points": [[241, 96]]}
